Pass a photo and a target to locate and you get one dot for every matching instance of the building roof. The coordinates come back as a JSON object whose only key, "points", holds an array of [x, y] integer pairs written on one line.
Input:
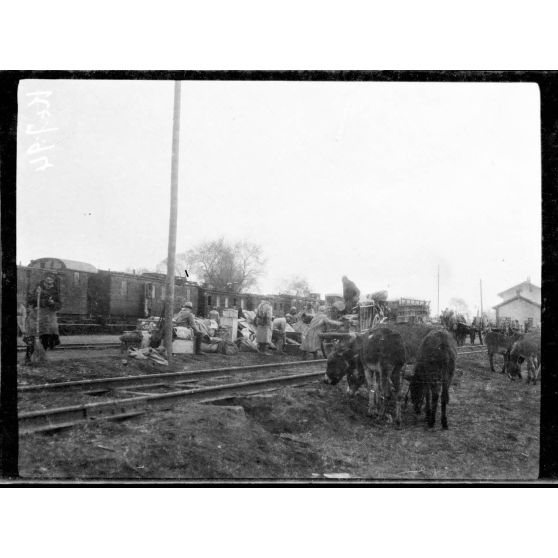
{"points": [[519, 285], [69, 264], [515, 298]]}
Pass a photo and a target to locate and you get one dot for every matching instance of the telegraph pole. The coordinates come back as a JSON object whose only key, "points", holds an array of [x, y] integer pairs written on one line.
{"points": [[169, 302], [481, 295], [438, 290]]}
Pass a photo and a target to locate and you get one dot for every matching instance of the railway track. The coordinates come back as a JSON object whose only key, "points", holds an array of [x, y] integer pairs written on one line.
{"points": [[79, 346], [141, 403], [69, 416]]}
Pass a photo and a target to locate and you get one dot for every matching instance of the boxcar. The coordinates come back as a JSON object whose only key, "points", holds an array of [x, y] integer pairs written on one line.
{"points": [[209, 298]]}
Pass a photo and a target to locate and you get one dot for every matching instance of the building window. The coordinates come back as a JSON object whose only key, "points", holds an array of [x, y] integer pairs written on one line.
{"points": [[124, 288], [76, 278]]}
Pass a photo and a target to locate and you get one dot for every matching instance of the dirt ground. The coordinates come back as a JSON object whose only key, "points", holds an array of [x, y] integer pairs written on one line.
{"points": [[308, 432]]}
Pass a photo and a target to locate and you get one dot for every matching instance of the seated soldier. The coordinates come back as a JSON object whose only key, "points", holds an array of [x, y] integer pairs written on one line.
{"points": [[185, 318]]}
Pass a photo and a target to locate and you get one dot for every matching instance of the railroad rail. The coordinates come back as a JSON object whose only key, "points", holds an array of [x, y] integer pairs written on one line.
{"points": [[69, 416], [79, 346], [152, 379]]}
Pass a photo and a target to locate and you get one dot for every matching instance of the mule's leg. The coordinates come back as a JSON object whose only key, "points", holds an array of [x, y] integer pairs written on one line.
{"points": [[491, 360], [505, 366], [427, 392], [445, 401], [370, 376], [435, 390], [530, 371], [398, 392], [536, 369]]}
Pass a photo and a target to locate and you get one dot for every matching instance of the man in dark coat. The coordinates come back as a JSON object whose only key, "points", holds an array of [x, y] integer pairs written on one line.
{"points": [[351, 294], [45, 304]]}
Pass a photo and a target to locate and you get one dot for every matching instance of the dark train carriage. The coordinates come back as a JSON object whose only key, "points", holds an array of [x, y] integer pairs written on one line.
{"points": [[117, 296], [72, 278], [212, 298], [155, 293]]}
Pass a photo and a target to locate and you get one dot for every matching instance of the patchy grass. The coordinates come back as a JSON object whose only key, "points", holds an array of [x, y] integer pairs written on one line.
{"points": [[308, 432]]}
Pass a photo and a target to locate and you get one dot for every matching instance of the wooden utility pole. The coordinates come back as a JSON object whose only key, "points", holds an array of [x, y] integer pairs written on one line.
{"points": [[438, 291], [481, 295], [169, 306]]}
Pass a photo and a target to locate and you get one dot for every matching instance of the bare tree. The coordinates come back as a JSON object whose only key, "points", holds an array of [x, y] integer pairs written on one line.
{"points": [[223, 265], [296, 285]]}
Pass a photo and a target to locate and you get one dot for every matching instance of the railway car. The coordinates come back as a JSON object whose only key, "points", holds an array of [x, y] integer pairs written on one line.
{"points": [[155, 293], [209, 298]]}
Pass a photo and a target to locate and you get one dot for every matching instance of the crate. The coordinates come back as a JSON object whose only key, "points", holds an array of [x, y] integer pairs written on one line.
{"points": [[182, 346]]}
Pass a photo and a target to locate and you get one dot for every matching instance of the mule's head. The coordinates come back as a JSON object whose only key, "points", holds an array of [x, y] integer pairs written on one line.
{"points": [[338, 364]]}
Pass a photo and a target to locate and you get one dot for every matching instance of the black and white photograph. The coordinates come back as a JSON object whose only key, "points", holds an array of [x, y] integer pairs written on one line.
{"points": [[299, 279]]}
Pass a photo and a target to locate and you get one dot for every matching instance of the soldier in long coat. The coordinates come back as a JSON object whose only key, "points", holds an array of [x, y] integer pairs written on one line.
{"points": [[48, 304], [263, 322], [311, 342]]}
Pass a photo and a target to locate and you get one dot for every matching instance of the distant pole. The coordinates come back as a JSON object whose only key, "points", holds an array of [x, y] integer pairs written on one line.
{"points": [[169, 306], [481, 295], [438, 290]]}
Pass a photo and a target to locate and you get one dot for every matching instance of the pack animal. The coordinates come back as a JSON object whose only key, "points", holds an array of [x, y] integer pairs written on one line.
{"points": [[379, 357], [527, 349], [499, 343], [433, 375]]}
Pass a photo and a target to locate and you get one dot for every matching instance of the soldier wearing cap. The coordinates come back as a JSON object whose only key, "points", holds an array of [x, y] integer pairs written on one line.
{"points": [[186, 318]]}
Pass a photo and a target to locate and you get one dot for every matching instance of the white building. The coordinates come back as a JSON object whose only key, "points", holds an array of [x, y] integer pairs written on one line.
{"points": [[521, 302]]}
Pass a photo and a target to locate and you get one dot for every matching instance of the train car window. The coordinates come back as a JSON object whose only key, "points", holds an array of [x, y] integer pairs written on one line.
{"points": [[188, 297], [226, 302], [124, 288], [242, 303], [163, 291], [209, 300], [217, 300], [76, 278], [274, 306], [234, 301]]}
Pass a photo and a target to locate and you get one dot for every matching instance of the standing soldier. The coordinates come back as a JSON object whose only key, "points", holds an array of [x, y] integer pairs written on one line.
{"points": [[47, 327], [263, 322], [319, 324], [351, 294], [279, 333]]}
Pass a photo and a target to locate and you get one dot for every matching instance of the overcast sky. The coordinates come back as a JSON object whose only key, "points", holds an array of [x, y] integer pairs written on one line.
{"points": [[381, 182]]}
